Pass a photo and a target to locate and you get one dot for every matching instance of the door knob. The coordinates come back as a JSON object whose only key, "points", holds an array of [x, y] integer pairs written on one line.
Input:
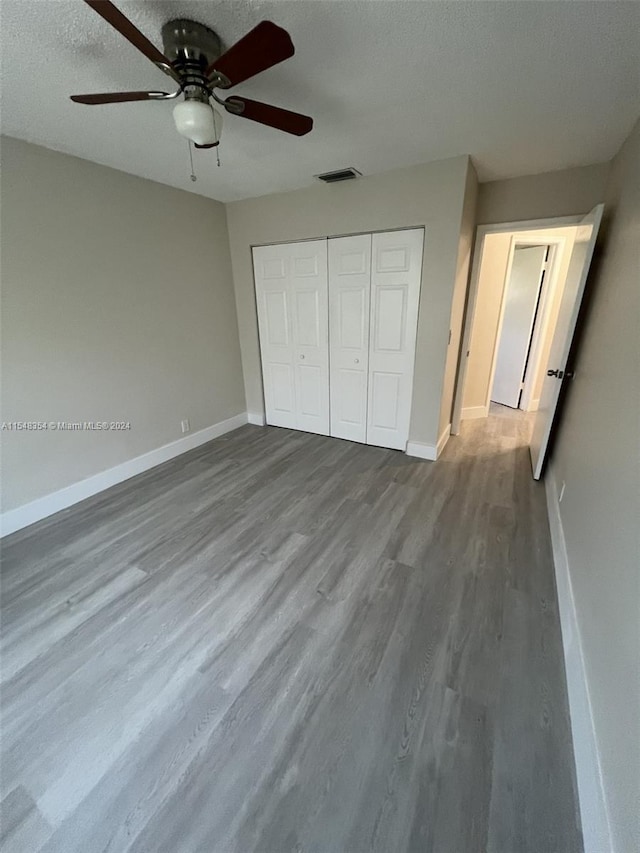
{"points": [[558, 373], [356, 361], [301, 356]]}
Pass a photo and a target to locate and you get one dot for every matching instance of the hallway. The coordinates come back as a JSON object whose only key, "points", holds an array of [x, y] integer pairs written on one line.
{"points": [[286, 642]]}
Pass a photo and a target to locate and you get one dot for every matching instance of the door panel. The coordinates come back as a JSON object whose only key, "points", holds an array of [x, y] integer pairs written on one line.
{"points": [[281, 383], [291, 296], [586, 235], [277, 320], [307, 318], [395, 292], [310, 390], [520, 301], [349, 290], [385, 396], [353, 318], [391, 318]]}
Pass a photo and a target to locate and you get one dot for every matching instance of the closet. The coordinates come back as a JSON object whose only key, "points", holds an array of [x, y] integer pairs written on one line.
{"points": [[337, 320]]}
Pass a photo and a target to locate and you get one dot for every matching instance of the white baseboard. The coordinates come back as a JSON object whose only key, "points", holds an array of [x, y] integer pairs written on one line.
{"points": [[429, 451], [257, 418], [593, 808], [422, 451], [22, 516], [473, 412], [442, 441]]}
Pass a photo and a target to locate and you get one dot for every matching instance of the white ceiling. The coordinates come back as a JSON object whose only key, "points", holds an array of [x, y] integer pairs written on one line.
{"points": [[524, 87]]}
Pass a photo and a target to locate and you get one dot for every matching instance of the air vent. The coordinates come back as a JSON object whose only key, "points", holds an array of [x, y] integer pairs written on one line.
{"points": [[341, 175]]}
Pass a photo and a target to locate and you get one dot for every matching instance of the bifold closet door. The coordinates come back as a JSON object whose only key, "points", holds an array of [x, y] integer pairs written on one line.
{"points": [[396, 271], [349, 290], [292, 303]]}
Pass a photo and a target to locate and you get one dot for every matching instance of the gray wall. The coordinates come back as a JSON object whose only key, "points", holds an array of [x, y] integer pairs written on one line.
{"points": [[563, 193], [597, 456], [431, 195], [118, 304]]}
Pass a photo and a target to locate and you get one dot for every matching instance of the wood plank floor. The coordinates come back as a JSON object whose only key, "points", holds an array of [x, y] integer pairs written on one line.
{"points": [[284, 642]]}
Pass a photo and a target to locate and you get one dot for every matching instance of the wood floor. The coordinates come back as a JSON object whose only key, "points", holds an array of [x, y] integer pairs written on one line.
{"points": [[284, 642]]}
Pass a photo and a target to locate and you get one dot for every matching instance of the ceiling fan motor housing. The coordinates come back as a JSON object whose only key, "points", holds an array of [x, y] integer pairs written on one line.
{"points": [[191, 48]]}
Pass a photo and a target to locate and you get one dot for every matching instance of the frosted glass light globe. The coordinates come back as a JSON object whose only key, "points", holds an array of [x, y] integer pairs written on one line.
{"points": [[198, 121]]}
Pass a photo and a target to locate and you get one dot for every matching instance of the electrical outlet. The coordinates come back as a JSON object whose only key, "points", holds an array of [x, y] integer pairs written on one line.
{"points": [[561, 494], [185, 425]]}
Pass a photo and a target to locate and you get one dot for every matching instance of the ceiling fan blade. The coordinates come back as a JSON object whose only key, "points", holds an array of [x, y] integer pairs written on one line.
{"points": [[119, 97], [123, 25], [285, 120], [264, 46]]}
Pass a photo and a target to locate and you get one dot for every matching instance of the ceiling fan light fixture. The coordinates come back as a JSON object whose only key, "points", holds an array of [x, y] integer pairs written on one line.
{"points": [[198, 121]]}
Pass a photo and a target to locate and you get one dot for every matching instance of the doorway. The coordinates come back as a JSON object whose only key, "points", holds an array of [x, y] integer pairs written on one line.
{"points": [[549, 308], [523, 301]]}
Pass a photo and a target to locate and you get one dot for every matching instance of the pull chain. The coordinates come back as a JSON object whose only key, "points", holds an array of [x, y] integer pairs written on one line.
{"points": [[193, 177]]}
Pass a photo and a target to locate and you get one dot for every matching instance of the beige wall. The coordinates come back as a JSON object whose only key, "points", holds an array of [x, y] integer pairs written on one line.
{"points": [[563, 193], [117, 304], [431, 195], [491, 278], [465, 247], [597, 456], [491, 282]]}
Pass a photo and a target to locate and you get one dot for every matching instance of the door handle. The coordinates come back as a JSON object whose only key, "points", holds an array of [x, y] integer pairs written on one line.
{"points": [[302, 357], [356, 361], [558, 373]]}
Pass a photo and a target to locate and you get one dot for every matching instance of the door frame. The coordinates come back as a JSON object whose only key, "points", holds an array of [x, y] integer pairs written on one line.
{"points": [[483, 231]]}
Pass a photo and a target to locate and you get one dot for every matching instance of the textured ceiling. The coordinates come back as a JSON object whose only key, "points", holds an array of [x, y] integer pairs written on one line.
{"points": [[524, 87]]}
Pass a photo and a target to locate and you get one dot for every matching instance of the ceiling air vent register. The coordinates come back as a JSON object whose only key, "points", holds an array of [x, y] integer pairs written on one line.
{"points": [[347, 174]]}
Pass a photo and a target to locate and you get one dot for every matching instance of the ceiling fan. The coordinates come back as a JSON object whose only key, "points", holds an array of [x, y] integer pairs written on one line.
{"points": [[194, 60]]}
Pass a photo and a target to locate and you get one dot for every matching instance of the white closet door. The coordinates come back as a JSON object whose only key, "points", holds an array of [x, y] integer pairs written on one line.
{"points": [[395, 292], [349, 289], [292, 302]]}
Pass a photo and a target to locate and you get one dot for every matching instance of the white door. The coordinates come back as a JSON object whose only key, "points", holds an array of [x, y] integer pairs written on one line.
{"points": [[586, 234], [349, 289], [291, 298], [396, 271], [520, 302]]}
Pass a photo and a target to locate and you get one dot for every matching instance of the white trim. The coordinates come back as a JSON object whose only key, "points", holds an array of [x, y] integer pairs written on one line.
{"points": [[429, 451], [442, 441], [22, 516], [256, 418], [471, 413], [593, 806], [531, 224], [422, 451], [533, 405], [472, 293]]}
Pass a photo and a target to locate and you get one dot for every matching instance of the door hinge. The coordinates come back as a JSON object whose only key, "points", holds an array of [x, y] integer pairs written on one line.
{"points": [[449, 337]]}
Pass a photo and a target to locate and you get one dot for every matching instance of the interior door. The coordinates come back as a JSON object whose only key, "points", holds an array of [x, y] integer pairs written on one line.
{"points": [[586, 234], [292, 303], [349, 290], [395, 291], [520, 302]]}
